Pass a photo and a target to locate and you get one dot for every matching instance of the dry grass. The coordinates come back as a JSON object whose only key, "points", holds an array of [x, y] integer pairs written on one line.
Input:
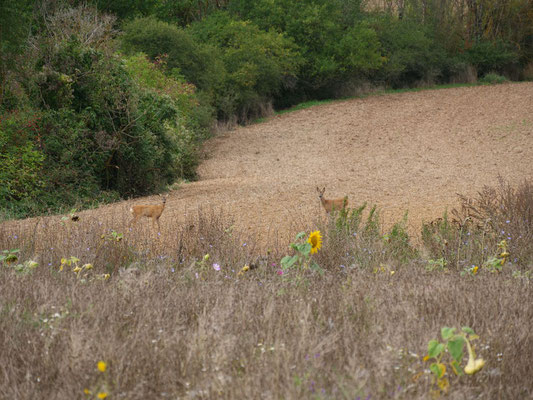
{"points": [[170, 326]]}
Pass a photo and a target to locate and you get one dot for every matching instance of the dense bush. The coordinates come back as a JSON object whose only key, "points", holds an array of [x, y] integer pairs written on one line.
{"points": [[492, 56], [106, 127], [21, 161], [412, 55], [237, 67], [257, 64], [336, 44], [199, 64]]}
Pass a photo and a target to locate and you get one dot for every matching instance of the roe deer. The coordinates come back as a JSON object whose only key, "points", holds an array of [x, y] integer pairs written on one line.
{"points": [[150, 211], [331, 204]]}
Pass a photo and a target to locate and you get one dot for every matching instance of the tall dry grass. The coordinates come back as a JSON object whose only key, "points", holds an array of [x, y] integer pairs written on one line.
{"points": [[169, 325]]}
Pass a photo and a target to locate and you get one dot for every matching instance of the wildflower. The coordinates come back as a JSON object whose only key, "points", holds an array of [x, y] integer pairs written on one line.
{"points": [[102, 366], [86, 391], [216, 267], [475, 269], [279, 272], [206, 257], [106, 277], [102, 395], [243, 270], [77, 269], [88, 266], [315, 240]]}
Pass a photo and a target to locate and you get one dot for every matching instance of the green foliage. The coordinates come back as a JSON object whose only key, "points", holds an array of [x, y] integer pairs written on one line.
{"points": [[489, 56], [126, 9], [21, 162], [8, 257], [335, 43], [412, 54], [200, 64], [451, 349], [257, 64], [15, 24], [102, 128], [493, 78], [194, 114], [293, 267]]}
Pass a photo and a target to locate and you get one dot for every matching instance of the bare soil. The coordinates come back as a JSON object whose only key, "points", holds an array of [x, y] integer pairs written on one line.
{"points": [[412, 151]]}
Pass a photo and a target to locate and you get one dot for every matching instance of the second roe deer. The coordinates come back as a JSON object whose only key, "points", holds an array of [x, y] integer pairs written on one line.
{"points": [[332, 204], [150, 211]]}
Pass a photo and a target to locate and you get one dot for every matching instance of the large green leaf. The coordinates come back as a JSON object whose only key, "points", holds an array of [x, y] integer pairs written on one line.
{"points": [[455, 347], [435, 348]]}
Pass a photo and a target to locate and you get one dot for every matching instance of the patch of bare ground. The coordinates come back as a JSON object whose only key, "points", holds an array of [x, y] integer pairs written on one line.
{"points": [[404, 152], [412, 151]]}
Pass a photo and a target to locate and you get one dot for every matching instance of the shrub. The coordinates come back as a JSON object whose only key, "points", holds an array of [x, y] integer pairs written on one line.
{"points": [[257, 64], [492, 56], [411, 53], [100, 134], [493, 78], [334, 42], [21, 161], [199, 63]]}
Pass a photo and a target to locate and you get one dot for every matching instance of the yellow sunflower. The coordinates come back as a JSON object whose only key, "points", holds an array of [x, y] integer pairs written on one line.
{"points": [[315, 240]]}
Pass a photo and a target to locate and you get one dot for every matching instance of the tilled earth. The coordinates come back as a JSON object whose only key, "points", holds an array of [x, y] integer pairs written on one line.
{"points": [[412, 151]]}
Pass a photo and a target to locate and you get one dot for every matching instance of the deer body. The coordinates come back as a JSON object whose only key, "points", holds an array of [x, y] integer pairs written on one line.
{"points": [[332, 204], [150, 211]]}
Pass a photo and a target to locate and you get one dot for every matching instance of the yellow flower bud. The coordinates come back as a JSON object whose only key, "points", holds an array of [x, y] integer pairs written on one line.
{"points": [[102, 366], [474, 366]]}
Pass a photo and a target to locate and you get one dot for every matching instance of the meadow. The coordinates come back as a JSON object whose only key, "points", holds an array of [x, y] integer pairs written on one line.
{"points": [[93, 309]]}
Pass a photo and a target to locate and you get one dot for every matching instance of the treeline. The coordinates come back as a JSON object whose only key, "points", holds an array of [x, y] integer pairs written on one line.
{"points": [[111, 98]]}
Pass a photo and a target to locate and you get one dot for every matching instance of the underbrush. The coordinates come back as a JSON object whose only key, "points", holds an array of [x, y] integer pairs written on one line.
{"points": [[199, 311]]}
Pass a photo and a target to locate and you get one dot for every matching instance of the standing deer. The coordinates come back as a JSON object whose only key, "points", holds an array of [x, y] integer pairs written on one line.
{"points": [[150, 211], [331, 204]]}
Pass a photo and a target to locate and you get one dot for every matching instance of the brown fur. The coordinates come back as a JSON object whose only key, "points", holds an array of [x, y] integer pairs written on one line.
{"points": [[332, 204], [150, 211]]}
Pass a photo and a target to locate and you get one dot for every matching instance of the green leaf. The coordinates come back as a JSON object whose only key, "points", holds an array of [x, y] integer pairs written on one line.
{"points": [[438, 369], [447, 333], [456, 367], [468, 330], [435, 348], [288, 261], [305, 249], [315, 267], [300, 235], [455, 347]]}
